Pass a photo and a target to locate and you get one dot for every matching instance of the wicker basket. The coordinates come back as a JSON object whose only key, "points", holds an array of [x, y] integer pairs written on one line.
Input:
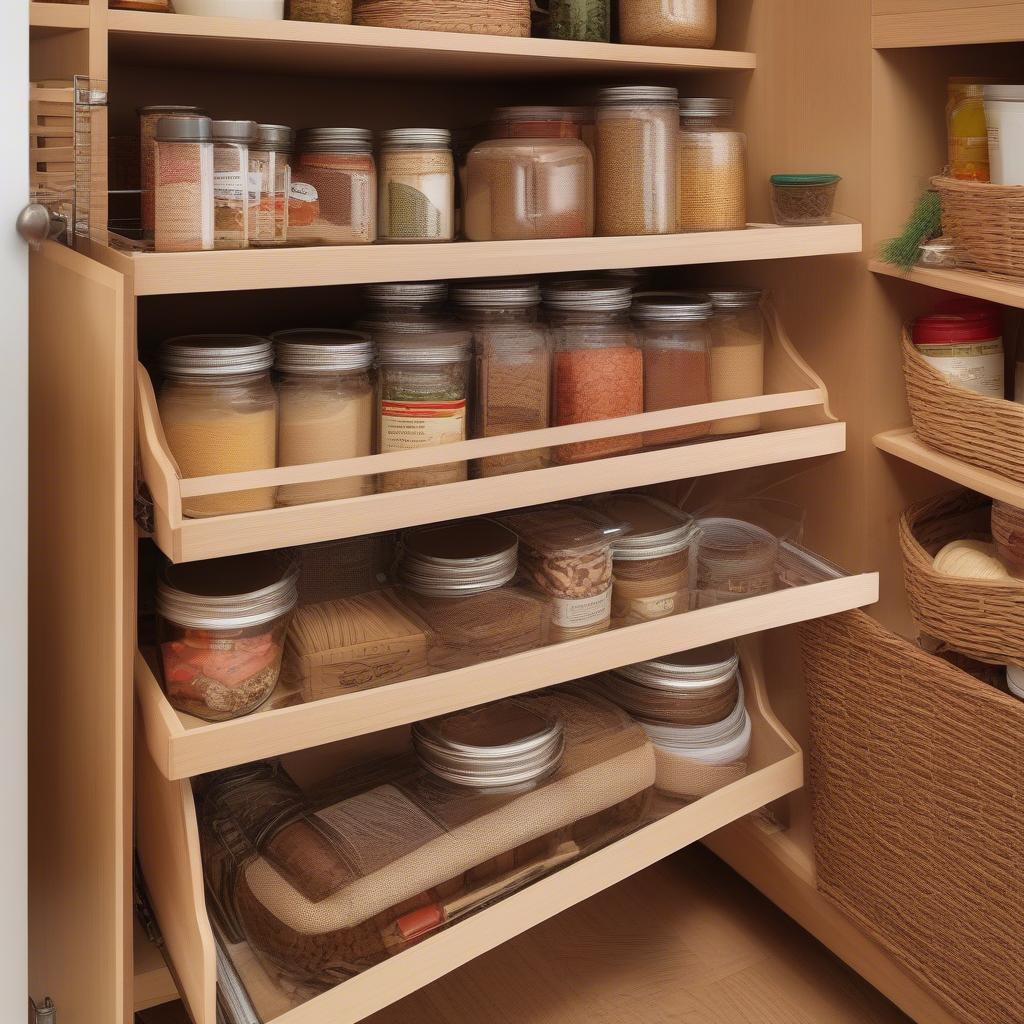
{"points": [[917, 776], [334, 12], [981, 618], [982, 431], [986, 223], [477, 17]]}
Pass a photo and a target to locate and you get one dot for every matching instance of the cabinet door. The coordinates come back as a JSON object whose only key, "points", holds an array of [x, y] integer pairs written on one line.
{"points": [[81, 633]]}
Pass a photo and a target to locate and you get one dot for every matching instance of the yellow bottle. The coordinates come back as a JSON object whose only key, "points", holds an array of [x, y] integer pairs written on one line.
{"points": [[968, 132]]}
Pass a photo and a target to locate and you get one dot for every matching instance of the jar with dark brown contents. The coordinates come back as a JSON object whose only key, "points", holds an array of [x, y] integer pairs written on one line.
{"points": [[417, 186], [148, 118]]}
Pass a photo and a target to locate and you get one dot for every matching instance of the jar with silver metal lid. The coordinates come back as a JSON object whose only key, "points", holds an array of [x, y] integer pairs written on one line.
{"points": [[509, 746], [327, 408], [637, 141], [737, 354], [458, 579], [222, 625], [417, 186], [598, 368], [218, 409], [183, 184], [270, 159], [712, 167], [334, 188], [149, 116], [405, 298], [234, 197]]}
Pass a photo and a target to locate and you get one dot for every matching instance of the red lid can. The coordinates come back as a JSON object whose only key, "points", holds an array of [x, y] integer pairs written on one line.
{"points": [[958, 321]]}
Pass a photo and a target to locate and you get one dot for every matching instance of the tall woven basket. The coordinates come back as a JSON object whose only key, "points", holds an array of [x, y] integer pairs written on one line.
{"points": [[477, 17], [917, 779], [986, 223], [982, 431]]}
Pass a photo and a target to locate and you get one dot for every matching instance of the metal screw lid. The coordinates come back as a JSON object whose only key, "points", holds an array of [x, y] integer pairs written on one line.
{"points": [[235, 131], [170, 108], [496, 292], [195, 128], [576, 115], [598, 294], [468, 557], [672, 306], [275, 138], [411, 343], [688, 671], [335, 140], [718, 743], [737, 298], [657, 529], [628, 95], [215, 355], [399, 137], [404, 292], [706, 106], [316, 350]]}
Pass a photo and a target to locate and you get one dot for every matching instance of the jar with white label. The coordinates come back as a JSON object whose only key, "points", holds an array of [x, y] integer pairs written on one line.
{"points": [[271, 173], [964, 342], [234, 194]]}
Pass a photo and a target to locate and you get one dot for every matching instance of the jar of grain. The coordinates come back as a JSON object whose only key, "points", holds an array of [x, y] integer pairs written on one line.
{"points": [[599, 368], [533, 178], [148, 118], [183, 184], [405, 299], [270, 159], [637, 136], [326, 413], [423, 391], [218, 409], [513, 367], [334, 188], [417, 186], [675, 332], [234, 197], [737, 355], [668, 22], [712, 167]]}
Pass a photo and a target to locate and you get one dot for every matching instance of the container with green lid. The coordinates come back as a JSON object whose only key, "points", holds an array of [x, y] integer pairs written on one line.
{"points": [[803, 198]]}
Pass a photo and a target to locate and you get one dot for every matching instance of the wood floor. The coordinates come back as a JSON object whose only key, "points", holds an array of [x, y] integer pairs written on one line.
{"points": [[686, 942]]}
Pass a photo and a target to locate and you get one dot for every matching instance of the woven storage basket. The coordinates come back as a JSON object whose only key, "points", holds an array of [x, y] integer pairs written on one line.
{"points": [[477, 17], [986, 223], [334, 12], [981, 618], [917, 779], [982, 431]]}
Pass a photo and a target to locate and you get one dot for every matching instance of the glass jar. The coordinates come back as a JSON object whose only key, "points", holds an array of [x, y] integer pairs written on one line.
{"points": [[327, 408], [637, 134], [534, 178], [423, 392], [598, 367], [334, 188], [148, 118], [712, 167], [513, 367], [218, 409], [222, 625], [675, 332], [668, 22], [405, 299], [183, 184], [737, 355], [235, 201], [270, 167], [457, 577], [967, 130], [588, 21], [417, 186]]}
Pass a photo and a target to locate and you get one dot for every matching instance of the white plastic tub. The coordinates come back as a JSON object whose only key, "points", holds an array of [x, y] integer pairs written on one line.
{"points": [[1004, 112], [269, 9]]}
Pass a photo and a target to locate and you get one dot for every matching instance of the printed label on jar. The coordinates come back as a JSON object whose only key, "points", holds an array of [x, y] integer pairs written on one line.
{"points": [[582, 611], [649, 607], [229, 184], [405, 425], [303, 192], [977, 366]]}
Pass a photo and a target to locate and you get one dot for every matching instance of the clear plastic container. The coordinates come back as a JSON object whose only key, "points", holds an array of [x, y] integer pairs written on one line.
{"points": [[675, 332], [417, 186], [802, 199], [599, 366], [400, 299], [691, 23], [712, 167], [327, 408], [235, 192], [737, 354], [218, 409], [183, 184], [270, 168], [148, 118], [533, 179], [637, 138]]}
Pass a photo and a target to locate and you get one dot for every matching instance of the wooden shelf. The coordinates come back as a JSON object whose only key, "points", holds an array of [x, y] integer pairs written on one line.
{"points": [[58, 17], [296, 46], [191, 272], [962, 282], [169, 851], [904, 444], [905, 23], [153, 984]]}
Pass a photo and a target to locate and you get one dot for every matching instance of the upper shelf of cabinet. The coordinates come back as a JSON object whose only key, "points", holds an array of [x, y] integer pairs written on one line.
{"points": [[962, 282], [304, 47], [57, 16], [906, 23]]}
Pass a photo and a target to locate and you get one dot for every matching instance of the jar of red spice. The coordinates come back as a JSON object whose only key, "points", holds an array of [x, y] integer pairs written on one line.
{"points": [[675, 332], [599, 367], [964, 341]]}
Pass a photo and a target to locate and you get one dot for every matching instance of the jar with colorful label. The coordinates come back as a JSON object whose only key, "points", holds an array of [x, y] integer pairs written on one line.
{"points": [[964, 342]]}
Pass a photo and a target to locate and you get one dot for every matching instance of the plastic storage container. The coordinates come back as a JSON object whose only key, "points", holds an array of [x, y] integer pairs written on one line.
{"points": [[183, 184], [148, 118], [417, 186], [1004, 119], [668, 22], [737, 354], [712, 167], [233, 193], [803, 198], [270, 168], [964, 342]]}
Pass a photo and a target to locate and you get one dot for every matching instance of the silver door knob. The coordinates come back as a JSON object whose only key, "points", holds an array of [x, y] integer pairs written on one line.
{"points": [[36, 225]]}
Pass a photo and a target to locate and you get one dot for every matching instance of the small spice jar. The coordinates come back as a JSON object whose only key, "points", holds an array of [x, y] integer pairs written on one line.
{"points": [[712, 167], [588, 21], [183, 184], [271, 172], [651, 562], [737, 354], [735, 559], [599, 367], [327, 408], [233, 193], [668, 22], [218, 409], [512, 354], [334, 188], [675, 332], [964, 342], [222, 625], [637, 136], [456, 578], [423, 392], [398, 299], [532, 178], [803, 198], [417, 186], [148, 118]]}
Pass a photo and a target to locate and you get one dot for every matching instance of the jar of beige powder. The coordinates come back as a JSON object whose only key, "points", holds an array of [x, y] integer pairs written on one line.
{"points": [[737, 354]]}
